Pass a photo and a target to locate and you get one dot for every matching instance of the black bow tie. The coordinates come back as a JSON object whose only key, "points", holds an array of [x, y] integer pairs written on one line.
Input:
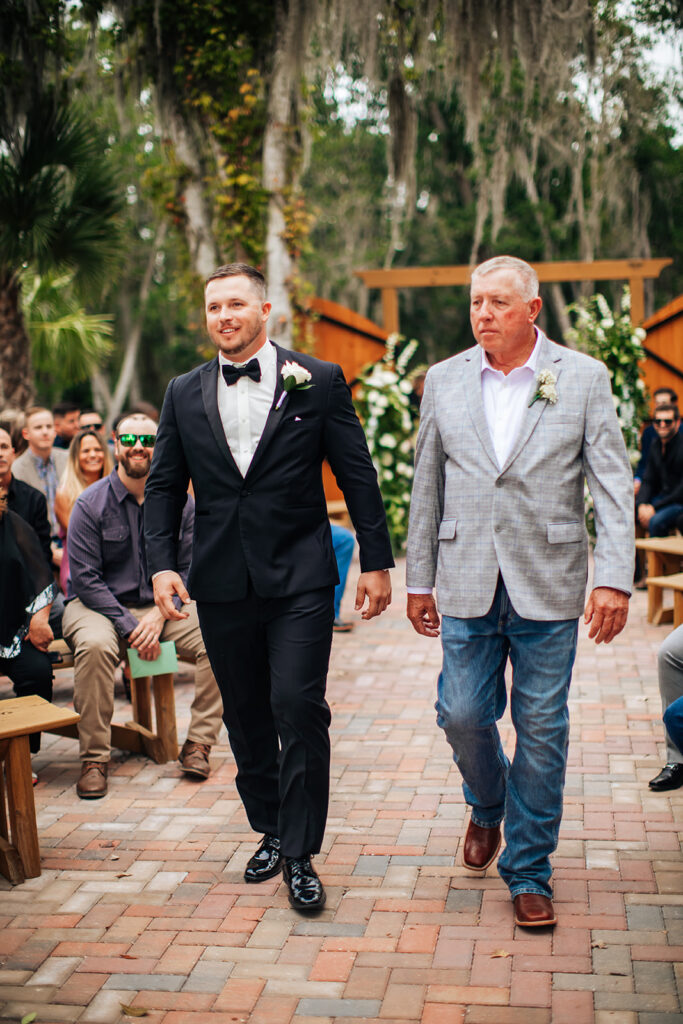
{"points": [[232, 373]]}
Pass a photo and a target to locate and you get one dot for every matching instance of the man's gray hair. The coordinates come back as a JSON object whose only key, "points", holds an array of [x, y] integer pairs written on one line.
{"points": [[527, 275]]}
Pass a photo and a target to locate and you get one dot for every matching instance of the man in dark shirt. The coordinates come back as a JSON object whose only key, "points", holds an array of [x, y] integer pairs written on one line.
{"points": [[111, 607], [30, 504], [66, 416], [660, 499]]}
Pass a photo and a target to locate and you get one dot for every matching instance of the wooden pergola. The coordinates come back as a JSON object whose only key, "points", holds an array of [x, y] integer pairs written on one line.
{"points": [[633, 271]]}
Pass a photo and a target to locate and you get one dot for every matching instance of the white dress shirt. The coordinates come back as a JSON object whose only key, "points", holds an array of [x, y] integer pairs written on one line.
{"points": [[505, 398], [244, 406]]}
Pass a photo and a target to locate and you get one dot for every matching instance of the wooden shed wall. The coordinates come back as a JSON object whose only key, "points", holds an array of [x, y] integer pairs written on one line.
{"points": [[344, 337], [664, 347]]}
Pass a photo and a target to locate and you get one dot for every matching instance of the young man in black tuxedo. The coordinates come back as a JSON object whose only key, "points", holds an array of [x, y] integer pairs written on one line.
{"points": [[251, 429]]}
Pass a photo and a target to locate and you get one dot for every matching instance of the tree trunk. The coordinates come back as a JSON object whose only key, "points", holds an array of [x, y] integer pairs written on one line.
{"points": [[133, 330], [16, 377], [275, 180]]}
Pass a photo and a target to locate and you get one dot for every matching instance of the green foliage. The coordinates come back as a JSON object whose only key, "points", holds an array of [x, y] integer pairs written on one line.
{"points": [[67, 344], [58, 197], [382, 400], [610, 337]]}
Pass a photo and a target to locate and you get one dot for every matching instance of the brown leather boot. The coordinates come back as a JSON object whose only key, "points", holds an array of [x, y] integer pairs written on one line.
{"points": [[194, 759], [93, 781]]}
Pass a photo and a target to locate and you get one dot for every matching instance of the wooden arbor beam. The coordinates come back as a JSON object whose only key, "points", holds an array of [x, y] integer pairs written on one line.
{"points": [[634, 271]]}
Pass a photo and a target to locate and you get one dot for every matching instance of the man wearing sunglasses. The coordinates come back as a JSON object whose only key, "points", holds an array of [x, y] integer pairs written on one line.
{"points": [[660, 498], [111, 607], [251, 429]]}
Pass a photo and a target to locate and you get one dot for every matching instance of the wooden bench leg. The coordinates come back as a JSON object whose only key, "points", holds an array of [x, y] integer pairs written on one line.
{"points": [[654, 594], [678, 608], [164, 706], [21, 805], [140, 699]]}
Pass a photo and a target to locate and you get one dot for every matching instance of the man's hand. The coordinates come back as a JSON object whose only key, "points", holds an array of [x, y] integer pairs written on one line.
{"points": [[39, 632], [145, 637], [606, 611], [423, 614], [645, 514], [376, 586], [166, 584]]}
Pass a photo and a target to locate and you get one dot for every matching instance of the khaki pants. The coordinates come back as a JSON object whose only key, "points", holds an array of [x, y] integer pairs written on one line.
{"points": [[98, 649]]}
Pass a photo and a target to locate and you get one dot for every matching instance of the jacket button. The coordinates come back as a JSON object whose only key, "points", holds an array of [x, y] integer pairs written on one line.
{"points": [[499, 482], [497, 528]]}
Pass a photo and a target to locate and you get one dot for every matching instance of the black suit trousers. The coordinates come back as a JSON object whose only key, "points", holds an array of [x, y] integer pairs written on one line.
{"points": [[270, 658]]}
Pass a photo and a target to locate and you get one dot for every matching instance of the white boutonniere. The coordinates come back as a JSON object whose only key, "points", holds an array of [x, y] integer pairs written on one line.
{"points": [[545, 387], [295, 378]]}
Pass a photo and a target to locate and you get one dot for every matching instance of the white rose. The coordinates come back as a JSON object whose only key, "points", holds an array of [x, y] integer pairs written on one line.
{"points": [[300, 375], [387, 441]]}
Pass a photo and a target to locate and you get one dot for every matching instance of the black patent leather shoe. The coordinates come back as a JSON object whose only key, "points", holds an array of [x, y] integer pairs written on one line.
{"points": [[305, 888], [670, 777], [266, 862]]}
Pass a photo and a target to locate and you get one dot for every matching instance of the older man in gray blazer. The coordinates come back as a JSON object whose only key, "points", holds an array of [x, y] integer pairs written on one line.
{"points": [[509, 432]]}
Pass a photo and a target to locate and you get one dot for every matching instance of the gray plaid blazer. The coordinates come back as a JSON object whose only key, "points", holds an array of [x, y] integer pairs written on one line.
{"points": [[470, 520]]}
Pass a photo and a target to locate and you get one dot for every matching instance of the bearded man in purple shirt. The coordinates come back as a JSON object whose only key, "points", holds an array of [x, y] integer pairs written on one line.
{"points": [[111, 607]]}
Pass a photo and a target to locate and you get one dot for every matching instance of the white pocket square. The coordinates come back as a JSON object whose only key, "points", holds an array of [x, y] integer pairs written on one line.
{"points": [[297, 419]]}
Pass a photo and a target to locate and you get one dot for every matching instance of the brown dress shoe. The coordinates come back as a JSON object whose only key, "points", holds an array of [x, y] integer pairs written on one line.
{"points": [[481, 847], [194, 759], [533, 910], [93, 781]]}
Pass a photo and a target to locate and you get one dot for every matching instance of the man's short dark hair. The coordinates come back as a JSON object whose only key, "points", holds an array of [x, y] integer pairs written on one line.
{"points": [[241, 270], [666, 391], [64, 408], [668, 408]]}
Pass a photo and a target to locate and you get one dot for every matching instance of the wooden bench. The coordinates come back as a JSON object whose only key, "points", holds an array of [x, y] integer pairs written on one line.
{"points": [[19, 717], [664, 558], [157, 739], [672, 582]]}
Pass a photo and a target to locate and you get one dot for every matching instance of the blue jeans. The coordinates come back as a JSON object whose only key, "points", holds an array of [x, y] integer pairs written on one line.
{"points": [[664, 520], [342, 541], [673, 720], [527, 793]]}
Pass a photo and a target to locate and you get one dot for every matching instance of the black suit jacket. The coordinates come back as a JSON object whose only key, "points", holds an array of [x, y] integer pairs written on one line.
{"points": [[29, 503], [271, 525]]}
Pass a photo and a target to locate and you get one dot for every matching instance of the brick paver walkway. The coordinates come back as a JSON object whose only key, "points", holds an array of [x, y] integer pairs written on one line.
{"points": [[141, 901]]}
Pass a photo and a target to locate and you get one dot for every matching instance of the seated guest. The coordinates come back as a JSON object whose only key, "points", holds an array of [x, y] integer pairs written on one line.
{"points": [[66, 416], [42, 465], [660, 498], [88, 460], [670, 669], [91, 420], [110, 607], [30, 504], [342, 542], [662, 396], [13, 421], [26, 590]]}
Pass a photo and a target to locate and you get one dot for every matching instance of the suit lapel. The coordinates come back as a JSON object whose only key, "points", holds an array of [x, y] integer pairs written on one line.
{"points": [[276, 410], [475, 403], [209, 380], [548, 358]]}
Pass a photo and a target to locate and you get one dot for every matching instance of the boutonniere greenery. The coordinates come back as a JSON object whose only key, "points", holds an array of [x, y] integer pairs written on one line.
{"points": [[294, 378], [545, 388]]}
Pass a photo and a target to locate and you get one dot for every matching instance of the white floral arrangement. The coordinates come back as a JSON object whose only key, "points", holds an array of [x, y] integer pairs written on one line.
{"points": [[382, 400], [611, 337]]}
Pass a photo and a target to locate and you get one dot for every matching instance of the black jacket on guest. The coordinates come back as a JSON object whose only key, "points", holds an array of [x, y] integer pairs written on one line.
{"points": [[29, 503], [270, 526], [663, 478]]}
